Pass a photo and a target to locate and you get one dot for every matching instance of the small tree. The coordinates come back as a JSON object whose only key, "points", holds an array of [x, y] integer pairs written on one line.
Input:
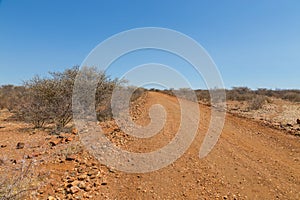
{"points": [[11, 96], [257, 102], [50, 99]]}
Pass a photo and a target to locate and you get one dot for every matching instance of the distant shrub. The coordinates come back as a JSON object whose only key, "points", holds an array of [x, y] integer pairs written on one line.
{"points": [[257, 102], [292, 96], [11, 96], [240, 94], [203, 95], [138, 92]]}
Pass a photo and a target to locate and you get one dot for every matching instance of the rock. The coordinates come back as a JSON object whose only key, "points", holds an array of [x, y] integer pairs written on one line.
{"points": [[70, 157], [3, 145], [32, 133], [20, 145], [48, 137], [298, 121], [36, 154], [68, 139], [41, 191], [28, 157], [290, 125], [80, 170], [2, 127], [74, 131], [82, 177], [51, 198], [86, 195], [74, 189], [87, 189], [82, 185], [55, 142]]}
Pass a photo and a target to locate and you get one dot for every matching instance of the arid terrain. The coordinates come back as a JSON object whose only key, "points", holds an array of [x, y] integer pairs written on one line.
{"points": [[257, 157]]}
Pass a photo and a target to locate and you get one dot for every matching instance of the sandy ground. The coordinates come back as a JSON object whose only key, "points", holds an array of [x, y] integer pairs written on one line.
{"points": [[277, 113], [250, 161]]}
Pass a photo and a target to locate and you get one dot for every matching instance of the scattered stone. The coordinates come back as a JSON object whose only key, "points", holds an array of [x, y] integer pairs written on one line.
{"points": [[88, 188], [70, 157], [74, 189], [3, 145], [86, 195], [40, 191], [35, 154], [20, 145], [32, 133], [82, 185], [48, 137], [290, 125], [28, 157], [80, 170], [75, 183], [55, 142], [68, 139], [74, 131], [51, 198], [111, 170], [82, 177]]}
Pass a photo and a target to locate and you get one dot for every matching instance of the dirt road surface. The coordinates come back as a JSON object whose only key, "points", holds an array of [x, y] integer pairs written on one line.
{"points": [[250, 161]]}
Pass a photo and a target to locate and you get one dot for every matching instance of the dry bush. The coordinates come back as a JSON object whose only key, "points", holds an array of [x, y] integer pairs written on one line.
{"points": [[138, 92], [11, 97], [292, 96], [168, 92], [289, 95], [49, 99], [18, 185], [240, 94], [203, 95], [122, 94], [94, 86], [257, 102]]}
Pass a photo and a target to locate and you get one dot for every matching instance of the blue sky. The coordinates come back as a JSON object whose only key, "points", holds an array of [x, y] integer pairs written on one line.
{"points": [[253, 43]]}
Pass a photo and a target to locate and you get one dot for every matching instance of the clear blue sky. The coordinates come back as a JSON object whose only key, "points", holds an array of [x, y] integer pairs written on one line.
{"points": [[253, 43]]}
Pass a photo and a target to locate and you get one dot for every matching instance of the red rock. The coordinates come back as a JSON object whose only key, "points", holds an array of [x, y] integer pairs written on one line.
{"points": [[20, 145], [36, 154], [55, 142], [69, 139], [74, 131], [74, 189]]}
